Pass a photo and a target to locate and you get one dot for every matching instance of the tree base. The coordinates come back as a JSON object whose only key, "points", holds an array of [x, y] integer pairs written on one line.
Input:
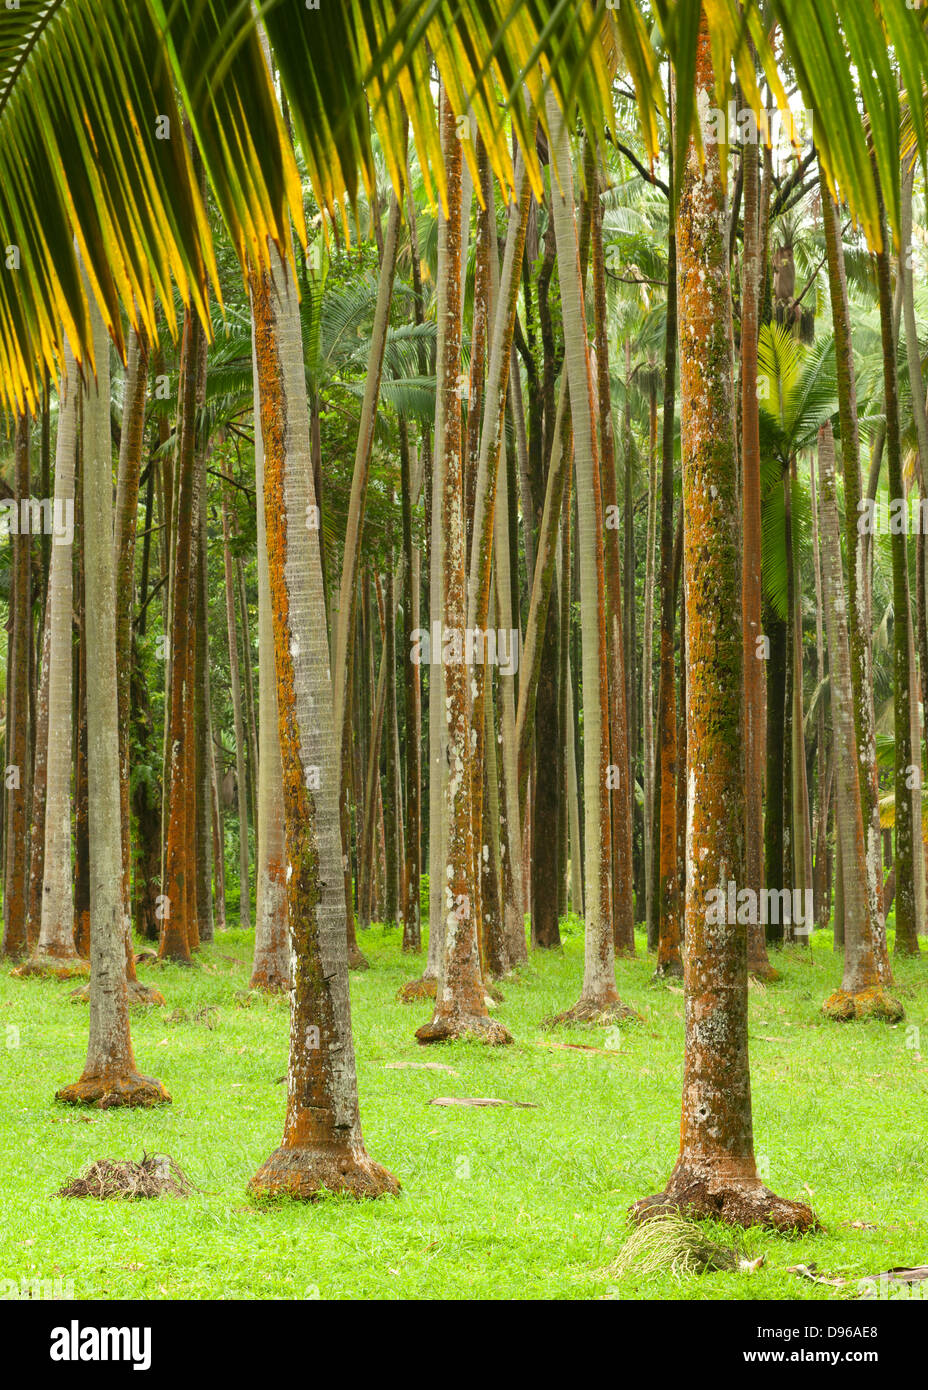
{"points": [[269, 983], [602, 1013], [451, 1027], [843, 1006], [763, 972], [740, 1202], [140, 996], [357, 960], [414, 990], [57, 967], [669, 970], [305, 1175], [130, 1091]]}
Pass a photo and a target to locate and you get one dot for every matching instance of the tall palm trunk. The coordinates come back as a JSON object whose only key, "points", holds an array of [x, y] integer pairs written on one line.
{"points": [[16, 838], [862, 992], [623, 889], [754, 682], [599, 998], [238, 718], [905, 772], [858, 575], [460, 1008], [56, 936], [109, 1077], [715, 1174], [271, 967], [322, 1144]]}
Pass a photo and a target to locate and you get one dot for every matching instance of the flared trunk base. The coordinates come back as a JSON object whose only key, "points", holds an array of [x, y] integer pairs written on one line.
{"points": [[59, 967], [701, 1195], [415, 990], [130, 1091], [139, 995], [453, 1026], [843, 1005], [305, 1175], [269, 980], [357, 960], [669, 969], [602, 1012]]}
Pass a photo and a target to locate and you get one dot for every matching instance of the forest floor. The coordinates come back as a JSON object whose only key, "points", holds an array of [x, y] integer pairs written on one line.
{"points": [[496, 1203]]}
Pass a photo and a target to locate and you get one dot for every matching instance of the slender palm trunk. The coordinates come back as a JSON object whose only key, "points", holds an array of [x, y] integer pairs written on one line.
{"points": [[460, 1008], [322, 1144], [109, 1077], [16, 839], [715, 1174], [862, 993], [599, 998], [238, 717]]}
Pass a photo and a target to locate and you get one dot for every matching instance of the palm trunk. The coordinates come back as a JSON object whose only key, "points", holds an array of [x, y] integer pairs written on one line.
{"points": [[460, 1008], [599, 998], [862, 992], [16, 840], [109, 1077], [716, 1173], [322, 1144], [236, 686]]}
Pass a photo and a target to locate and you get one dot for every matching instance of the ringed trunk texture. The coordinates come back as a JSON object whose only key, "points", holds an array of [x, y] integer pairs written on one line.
{"points": [[322, 1145]]}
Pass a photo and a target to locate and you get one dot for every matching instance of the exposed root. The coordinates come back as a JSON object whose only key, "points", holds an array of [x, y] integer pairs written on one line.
{"points": [[842, 1006], [131, 1091], [157, 1175], [415, 990], [595, 1012], [449, 1027], [57, 967], [305, 1175], [739, 1201]]}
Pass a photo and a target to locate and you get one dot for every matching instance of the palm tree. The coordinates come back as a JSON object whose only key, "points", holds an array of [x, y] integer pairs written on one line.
{"points": [[599, 998], [862, 993], [715, 1173], [322, 1145], [110, 1077]]}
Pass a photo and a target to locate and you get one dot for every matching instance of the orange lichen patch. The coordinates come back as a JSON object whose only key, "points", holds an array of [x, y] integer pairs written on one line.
{"points": [[130, 1090], [741, 1202], [448, 1027], [306, 1175], [414, 990], [844, 1005]]}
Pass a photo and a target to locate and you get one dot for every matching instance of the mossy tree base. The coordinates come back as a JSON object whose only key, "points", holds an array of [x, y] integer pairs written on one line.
{"points": [[357, 960], [451, 1027], [669, 970], [268, 982], [140, 996], [739, 1201], [57, 967], [129, 1091], [415, 990], [764, 972], [305, 1175], [601, 1013], [844, 1006]]}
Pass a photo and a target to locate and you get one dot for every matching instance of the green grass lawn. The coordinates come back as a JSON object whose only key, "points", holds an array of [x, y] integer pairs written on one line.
{"points": [[524, 1203]]}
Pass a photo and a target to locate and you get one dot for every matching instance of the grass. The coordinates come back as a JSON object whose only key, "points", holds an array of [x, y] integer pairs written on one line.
{"points": [[496, 1203]]}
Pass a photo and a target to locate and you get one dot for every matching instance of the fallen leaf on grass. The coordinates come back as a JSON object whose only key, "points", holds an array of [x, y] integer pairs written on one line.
{"points": [[421, 1066], [583, 1047], [482, 1100], [810, 1272]]}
